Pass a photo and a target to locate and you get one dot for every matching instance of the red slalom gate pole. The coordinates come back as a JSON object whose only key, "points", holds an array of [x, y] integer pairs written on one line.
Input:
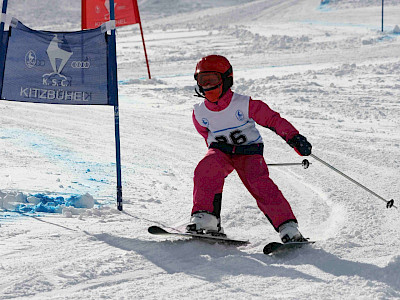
{"points": [[144, 48]]}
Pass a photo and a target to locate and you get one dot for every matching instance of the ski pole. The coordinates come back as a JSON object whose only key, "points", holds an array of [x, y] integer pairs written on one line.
{"points": [[305, 163], [389, 203]]}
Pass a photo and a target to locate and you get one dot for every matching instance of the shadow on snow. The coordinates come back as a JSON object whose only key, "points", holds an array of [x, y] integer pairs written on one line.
{"points": [[213, 262]]}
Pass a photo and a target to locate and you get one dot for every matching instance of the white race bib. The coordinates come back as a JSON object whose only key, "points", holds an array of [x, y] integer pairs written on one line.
{"points": [[231, 125]]}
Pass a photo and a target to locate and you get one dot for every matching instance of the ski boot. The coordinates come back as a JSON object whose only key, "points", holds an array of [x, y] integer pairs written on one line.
{"points": [[289, 232], [205, 223]]}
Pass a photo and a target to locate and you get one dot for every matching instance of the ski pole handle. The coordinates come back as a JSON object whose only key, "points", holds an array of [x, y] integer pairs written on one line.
{"points": [[305, 163], [389, 203]]}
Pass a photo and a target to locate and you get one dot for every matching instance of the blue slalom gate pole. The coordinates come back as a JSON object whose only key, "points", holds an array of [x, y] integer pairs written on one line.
{"points": [[4, 11], [382, 14], [2, 55], [114, 95]]}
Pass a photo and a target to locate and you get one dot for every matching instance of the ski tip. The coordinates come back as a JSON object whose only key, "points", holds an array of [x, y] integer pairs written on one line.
{"points": [[271, 247], [157, 230], [276, 247]]}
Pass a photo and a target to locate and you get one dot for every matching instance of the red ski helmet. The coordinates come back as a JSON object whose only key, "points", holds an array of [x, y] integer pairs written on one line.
{"points": [[218, 64]]}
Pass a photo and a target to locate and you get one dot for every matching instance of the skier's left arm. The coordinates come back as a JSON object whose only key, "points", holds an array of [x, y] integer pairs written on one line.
{"points": [[263, 115]]}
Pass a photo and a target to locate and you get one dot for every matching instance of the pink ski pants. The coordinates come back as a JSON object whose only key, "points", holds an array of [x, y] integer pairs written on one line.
{"points": [[209, 177]]}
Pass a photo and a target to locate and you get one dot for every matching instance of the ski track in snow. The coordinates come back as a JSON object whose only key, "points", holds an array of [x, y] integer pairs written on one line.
{"points": [[326, 68]]}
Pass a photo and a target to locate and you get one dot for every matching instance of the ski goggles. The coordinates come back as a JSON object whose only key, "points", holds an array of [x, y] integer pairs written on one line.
{"points": [[209, 78]]}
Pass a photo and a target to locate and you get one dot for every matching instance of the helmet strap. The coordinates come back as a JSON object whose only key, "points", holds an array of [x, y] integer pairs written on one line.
{"points": [[198, 93], [227, 73]]}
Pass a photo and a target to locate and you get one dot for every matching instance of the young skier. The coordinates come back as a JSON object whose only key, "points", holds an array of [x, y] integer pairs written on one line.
{"points": [[227, 121]]}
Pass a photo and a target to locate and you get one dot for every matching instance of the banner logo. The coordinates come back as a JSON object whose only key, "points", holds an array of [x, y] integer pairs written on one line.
{"points": [[58, 52], [54, 51], [85, 64], [107, 5], [30, 59]]}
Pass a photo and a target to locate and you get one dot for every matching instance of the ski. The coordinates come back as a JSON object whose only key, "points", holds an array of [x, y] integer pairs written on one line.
{"points": [[157, 230], [275, 247]]}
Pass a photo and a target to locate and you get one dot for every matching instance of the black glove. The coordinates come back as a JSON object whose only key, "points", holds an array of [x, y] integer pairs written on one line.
{"points": [[300, 145]]}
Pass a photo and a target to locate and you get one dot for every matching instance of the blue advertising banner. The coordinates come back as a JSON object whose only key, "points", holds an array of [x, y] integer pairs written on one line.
{"points": [[57, 67]]}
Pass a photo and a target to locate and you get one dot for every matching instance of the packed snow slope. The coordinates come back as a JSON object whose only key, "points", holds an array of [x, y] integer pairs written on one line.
{"points": [[326, 68]]}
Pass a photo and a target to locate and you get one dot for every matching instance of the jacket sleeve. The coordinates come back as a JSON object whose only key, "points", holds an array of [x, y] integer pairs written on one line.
{"points": [[265, 116], [200, 129]]}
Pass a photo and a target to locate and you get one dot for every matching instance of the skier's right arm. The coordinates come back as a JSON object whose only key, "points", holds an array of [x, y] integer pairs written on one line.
{"points": [[200, 129]]}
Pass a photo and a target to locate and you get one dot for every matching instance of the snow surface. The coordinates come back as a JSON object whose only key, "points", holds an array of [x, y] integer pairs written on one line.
{"points": [[326, 68]]}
